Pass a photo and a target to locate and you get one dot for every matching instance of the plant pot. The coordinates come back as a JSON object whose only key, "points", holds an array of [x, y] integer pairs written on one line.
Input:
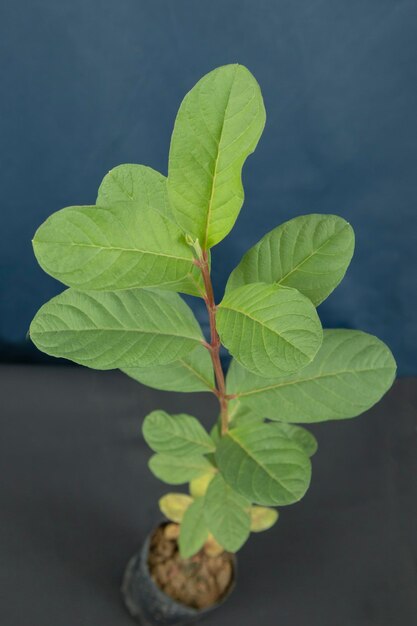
{"points": [[149, 605]]}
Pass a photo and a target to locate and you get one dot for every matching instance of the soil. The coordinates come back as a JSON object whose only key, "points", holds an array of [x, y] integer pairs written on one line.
{"points": [[198, 582]]}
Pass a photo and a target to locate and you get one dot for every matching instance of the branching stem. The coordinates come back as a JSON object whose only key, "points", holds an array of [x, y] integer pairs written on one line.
{"points": [[214, 345]]}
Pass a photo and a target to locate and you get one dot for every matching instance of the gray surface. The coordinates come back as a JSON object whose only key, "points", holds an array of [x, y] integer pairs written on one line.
{"points": [[77, 500]]}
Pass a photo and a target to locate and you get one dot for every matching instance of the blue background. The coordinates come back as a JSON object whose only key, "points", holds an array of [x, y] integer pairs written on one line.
{"points": [[89, 84]]}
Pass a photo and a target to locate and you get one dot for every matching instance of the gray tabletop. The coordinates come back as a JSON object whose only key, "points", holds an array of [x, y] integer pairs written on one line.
{"points": [[77, 500]]}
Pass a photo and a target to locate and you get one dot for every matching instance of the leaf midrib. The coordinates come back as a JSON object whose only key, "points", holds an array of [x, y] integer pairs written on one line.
{"points": [[275, 332], [196, 373], [116, 180], [115, 330], [210, 203], [113, 248], [304, 380], [308, 257], [251, 456], [208, 445]]}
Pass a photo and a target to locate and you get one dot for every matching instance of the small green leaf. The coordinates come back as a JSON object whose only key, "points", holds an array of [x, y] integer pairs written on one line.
{"points": [[174, 505], [240, 415], [262, 518], [269, 329], [218, 125], [193, 530], [303, 437], [226, 514], [263, 465], [192, 284], [134, 185], [310, 253], [106, 330], [215, 432], [194, 372], [175, 470], [176, 435], [350, 373]]}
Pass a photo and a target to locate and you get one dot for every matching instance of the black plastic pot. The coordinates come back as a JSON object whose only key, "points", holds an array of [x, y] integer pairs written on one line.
{"points": [[150, 606]]}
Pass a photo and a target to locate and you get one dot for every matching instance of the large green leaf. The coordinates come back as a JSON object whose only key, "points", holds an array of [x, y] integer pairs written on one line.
{"points": [[226, 514], [350, 373], [218, 125], [194, 372], [310, 253], [269, 329], [129, 185], [264, 465], [121, 247], [193, 529], [175, 470], [176, 434], [106, 330]]}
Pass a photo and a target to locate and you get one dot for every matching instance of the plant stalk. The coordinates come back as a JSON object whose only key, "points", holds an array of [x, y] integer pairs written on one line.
{"points": [[214, 346]]}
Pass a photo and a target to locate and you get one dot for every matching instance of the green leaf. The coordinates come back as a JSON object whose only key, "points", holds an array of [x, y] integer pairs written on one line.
{"points": [[175, 470], [350, 373], [194, 372], [127, 186], [310, 253], [241, 415], [94, 248], [262, 518], [263, 465], [192, 284], [193, 530], [218, 125], [107, 330], [303, 437], [215, 432], [226, 514], [174, 505], [269, 329], [135, 185], [176, 435]]}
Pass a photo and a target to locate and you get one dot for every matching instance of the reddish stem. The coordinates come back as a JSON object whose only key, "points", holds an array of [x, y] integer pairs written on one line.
{"points": [[214, 346]]}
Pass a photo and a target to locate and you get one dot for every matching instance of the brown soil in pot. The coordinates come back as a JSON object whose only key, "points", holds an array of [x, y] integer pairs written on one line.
{"points": [[198, 582]]}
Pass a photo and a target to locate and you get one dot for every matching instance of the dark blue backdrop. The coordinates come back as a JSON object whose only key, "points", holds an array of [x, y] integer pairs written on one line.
{"points": [[89, 84]]}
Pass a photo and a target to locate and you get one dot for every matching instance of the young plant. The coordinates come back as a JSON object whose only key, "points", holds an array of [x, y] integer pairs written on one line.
{"points": [[149, 237]]}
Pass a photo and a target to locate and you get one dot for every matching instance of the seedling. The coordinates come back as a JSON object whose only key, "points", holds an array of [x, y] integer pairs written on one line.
{"points": [[149, 237]]}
